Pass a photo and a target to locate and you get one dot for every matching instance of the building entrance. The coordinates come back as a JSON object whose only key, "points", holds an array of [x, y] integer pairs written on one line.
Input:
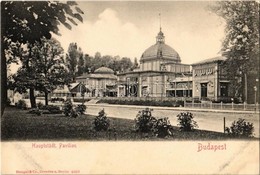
{"points": [[204, 90], [131, 90]]}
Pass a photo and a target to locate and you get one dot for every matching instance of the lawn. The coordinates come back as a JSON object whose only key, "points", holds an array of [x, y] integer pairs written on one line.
{"points": [[19, 125]]}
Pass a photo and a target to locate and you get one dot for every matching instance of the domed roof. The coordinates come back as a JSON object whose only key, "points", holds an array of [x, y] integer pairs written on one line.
{"points": [[160, 50], [104, 70]]}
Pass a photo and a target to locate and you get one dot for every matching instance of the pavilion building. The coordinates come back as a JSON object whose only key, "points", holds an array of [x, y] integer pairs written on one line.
{"points": [[161, 74], [101, 83]]}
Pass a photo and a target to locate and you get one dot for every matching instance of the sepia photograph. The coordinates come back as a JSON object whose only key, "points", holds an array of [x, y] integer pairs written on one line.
{"points": [[130, 87]]}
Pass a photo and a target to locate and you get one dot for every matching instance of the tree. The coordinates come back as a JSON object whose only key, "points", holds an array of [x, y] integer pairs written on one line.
{"points": [[49, 65], [241, 43], [126, 64], [88, 60], [27, 22], [81, 64], [44, 70], [71, 59], [25, 77], [116, 64], [97, 61], [135, 64]]}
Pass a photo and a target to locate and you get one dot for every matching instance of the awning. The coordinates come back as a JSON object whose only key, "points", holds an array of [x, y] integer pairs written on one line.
{"points": [[79, 88]]}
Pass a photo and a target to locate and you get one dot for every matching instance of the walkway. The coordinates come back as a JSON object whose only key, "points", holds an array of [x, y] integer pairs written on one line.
{"points": [[175, 108]]}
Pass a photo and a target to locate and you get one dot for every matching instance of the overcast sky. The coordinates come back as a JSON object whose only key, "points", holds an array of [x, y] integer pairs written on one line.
{"points": [[128, 28]]}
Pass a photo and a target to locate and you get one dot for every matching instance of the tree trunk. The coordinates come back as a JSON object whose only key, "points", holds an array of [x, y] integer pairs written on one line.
{"points": [[32, 98], [46, 98], [3, 78], [245, 88]]}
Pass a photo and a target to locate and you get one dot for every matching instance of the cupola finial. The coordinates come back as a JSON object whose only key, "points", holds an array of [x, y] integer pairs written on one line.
{"points": [[160, 22], [160, 36]]}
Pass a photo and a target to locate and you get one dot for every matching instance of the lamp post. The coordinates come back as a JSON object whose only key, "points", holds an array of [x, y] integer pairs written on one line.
{"points": [[255, 88], [87, 85], [127, 87]]}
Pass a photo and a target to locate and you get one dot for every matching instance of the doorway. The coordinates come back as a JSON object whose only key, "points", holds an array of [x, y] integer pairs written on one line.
{"points": [[204, 90]]}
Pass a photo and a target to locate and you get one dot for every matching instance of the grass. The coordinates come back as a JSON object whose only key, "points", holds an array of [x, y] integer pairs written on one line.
{"points": [[19, 125]]}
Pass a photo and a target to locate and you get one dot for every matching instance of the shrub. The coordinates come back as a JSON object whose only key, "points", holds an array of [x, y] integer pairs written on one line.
{"points": [[240, 128], [57, 99], [81, 100], [186, 121], [35, 111], [21, 104], [40, 105], [101, 122], [146, 102], [74, 113], [52, 109], [81, 108], [67, 107], [162, 127], [144, 121]]}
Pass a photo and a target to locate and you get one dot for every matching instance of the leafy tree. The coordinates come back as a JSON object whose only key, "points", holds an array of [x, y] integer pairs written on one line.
{"points": [[126, 64], [97, 62], [97, 55], [106, 60], [26, 75], [88, 63], [135, 64], [81, 64], [44, 70], [49, 64], [115, 63], [27, 22], [72, 59], [241, 43]]}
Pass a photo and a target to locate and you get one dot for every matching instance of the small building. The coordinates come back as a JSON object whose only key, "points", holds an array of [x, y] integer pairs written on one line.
{"points": [[210, 81], [71, 90], [61, 92], [101, 83], [78, 89]]}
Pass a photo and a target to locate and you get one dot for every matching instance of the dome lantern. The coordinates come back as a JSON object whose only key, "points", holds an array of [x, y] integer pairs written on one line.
{"points": [[160, 50], [160, 37]]}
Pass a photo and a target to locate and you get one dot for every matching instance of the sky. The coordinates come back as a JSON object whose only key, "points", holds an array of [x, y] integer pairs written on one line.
{"points": [[127, 28]]}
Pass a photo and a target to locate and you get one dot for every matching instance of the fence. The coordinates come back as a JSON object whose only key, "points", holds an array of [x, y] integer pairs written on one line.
{"points": [[189, 104], [146, 98], [223, 106]]}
